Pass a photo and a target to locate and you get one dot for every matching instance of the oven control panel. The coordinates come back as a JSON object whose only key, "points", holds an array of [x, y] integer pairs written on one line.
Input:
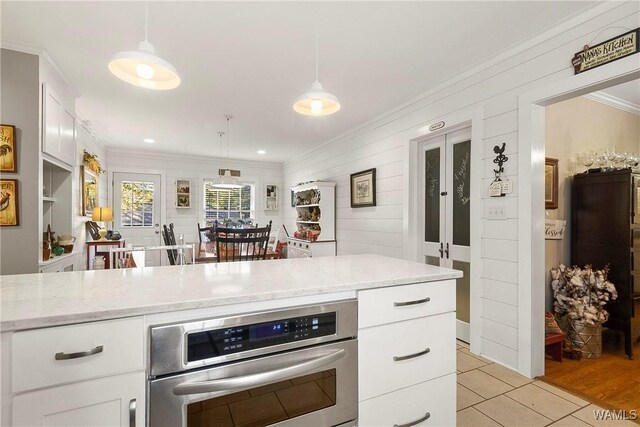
{"points": [[220, 342]]}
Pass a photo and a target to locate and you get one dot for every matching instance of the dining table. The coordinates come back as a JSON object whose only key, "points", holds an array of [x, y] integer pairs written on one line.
{"points": [[206, 252]]}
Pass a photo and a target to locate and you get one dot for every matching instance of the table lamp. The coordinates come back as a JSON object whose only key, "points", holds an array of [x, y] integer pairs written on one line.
{"points": [[102, 214]]}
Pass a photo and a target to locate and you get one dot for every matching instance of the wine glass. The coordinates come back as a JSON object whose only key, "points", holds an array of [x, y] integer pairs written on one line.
{"points": [[601, 159], [611, 155]]}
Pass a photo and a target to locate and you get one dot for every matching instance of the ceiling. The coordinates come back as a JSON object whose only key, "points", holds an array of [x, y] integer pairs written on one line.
{"points": [[252, 59]]}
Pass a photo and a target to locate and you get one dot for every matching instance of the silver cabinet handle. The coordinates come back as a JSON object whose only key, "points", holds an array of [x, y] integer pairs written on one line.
{"points": [[412, 423], [132, 412], [418, 301], [411, 356], [256, 379], [441, 250], [66, 356], [446, 251]]}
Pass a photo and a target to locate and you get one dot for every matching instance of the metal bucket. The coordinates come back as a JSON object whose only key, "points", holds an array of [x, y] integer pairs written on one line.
{"points": [[586, 338]]}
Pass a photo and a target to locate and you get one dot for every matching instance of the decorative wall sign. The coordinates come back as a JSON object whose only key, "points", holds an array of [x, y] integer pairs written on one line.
{"points": [[363, 188], [496, 187], [8, 152], [554, 229], [9, 203], [436, 126], [233, 172], [611, 50], [550, 183]]}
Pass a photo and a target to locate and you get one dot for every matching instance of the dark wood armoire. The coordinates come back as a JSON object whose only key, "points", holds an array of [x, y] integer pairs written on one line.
{"points": [[605, 229]]}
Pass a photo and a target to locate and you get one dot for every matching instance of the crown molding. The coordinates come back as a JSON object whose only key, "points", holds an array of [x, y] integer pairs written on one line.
{"points": [[614, 101], [39, 51]]}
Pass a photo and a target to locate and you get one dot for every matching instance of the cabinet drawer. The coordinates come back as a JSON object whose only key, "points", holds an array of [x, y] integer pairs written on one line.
{"points": [[35, 364], [393, 304], [379, 373], [436, 397], [108, 401]]}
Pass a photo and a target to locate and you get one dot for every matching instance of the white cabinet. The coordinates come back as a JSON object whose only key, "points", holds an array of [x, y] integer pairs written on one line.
{"points": [[58, 134], [89, 374], [111, 401], [315, 233], [407, 355]]}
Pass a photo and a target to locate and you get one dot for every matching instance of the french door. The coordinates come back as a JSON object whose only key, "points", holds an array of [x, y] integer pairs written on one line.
{"points": [[445, 175], [136, 211]]}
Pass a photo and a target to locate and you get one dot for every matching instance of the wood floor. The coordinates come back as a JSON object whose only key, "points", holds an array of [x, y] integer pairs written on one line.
{"points": [[613, 381]]}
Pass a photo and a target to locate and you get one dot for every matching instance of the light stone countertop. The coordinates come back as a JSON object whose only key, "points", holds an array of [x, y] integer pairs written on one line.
{"points": [[40, 300]]}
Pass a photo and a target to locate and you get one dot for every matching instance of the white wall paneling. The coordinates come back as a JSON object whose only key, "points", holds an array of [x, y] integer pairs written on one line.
{"points": [[494, 90]]}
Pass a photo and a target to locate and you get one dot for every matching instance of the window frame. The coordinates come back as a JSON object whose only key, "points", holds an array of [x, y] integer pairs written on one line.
{"points": [[203, 206]]}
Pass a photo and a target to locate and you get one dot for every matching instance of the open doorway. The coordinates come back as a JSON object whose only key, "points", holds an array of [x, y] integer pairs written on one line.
{"points": [[592, 149]]}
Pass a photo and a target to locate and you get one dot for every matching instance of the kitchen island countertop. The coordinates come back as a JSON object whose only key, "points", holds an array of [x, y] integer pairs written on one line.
{"points": [[42, 300]]}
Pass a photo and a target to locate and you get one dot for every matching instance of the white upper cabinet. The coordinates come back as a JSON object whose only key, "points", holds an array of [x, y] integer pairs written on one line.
{"points": [[58, 139]]}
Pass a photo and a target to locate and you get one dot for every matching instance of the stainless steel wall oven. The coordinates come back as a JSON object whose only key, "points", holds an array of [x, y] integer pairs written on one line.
{"points": [[287, 367]]}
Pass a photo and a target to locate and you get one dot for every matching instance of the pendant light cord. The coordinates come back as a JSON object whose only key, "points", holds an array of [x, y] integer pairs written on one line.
{"points": [[146, 19], [316, 53], [228, 118]]}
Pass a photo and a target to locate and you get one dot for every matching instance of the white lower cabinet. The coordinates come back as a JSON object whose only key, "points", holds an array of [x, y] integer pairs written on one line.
{"points": [[407, 355], [410, 406], [113, 401]]}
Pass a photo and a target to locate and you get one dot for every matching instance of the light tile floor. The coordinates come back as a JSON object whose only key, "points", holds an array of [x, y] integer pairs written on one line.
{"points": [[492, 395]]}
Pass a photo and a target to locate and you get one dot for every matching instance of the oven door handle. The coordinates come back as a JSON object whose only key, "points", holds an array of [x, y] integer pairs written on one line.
{"points": [[253, 380]]}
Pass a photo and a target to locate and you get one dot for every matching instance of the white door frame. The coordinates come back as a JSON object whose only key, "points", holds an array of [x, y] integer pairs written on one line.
{"points": [[470, 117], [531, 143]]}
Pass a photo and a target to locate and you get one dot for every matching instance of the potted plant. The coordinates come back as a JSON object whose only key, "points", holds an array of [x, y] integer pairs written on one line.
{"points": [[580, 295]]}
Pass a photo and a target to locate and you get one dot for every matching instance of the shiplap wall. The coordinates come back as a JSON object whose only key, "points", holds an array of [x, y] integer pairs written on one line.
{"points": [[196, 169], [494, 88]]}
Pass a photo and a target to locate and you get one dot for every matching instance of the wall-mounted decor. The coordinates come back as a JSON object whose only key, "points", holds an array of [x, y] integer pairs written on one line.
{"points": [[293, 199], [498, 186], [554, 229], [270, 197], [91, 162], [8, 152], [9, 203], [89, 185], [183, 193], [550, 183], [608, 51], [363, 188]]}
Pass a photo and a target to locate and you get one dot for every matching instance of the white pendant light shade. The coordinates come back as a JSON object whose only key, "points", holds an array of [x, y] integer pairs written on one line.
{"points": [[143, 68], [316, 102], [227, 181]]}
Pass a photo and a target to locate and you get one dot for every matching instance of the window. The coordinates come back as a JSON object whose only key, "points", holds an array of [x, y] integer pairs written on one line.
{"points": [[136, 204], [224, 203]]}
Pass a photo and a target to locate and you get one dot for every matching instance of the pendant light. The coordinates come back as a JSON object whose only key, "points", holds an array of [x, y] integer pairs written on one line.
{"points": [[316, 102], [142, 67], [226, 180]]}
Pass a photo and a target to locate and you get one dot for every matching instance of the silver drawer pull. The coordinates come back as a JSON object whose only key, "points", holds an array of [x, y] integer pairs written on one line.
{"points": [[418, 301], [65, 356], [133, 406], [411, 356], [412, 423]]}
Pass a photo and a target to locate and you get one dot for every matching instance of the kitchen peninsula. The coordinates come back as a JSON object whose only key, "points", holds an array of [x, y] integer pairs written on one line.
{"points": [[75, 346]]}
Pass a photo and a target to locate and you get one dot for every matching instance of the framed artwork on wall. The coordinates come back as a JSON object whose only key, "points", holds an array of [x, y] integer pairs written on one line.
{"points": [[9, 203], [8, 152], [550, 183], [89, 185], [270, 197], [183, 193], [363, 188]]}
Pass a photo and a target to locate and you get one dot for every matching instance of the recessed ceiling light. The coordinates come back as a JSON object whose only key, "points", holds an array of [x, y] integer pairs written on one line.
{"points": [[262, 152], [149, 140]]}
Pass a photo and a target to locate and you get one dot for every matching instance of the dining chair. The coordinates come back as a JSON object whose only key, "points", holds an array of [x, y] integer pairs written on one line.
{"points": [[170, 239], [242, 244], [206, 232]]}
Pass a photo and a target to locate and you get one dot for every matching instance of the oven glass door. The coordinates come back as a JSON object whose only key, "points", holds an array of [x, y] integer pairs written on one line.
{"points": [[312, 386]]}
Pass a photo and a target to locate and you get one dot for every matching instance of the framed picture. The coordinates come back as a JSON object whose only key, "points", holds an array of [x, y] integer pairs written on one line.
{"points": [[184, 200], [293, 199], [363, 188], [270, 197], [183, 193], [89, 185], [8, 152], [550, 183], [9, 203]]}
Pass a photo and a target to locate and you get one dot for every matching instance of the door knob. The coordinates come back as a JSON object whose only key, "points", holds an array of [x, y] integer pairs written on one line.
{"points": [[157, 232], [156, 225]]}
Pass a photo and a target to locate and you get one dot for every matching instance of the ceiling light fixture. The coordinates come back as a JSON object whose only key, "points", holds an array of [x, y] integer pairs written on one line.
{"points": [[316, 102], [142, 67], [149, 140], [226, 180], [262, 152]]}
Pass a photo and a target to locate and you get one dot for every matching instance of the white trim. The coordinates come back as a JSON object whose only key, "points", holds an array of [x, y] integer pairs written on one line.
{"points": [[531, 143], [615, 102], [470, 117]]}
